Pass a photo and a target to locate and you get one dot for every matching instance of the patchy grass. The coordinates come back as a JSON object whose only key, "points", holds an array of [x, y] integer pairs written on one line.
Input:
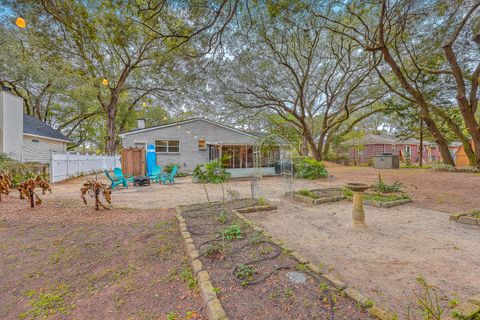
{"points": [[134, 270], [377, 196], [308, 193], [45, 303]]}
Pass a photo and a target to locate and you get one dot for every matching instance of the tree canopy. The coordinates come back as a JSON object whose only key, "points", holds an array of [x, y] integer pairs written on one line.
{"points": [[316, 72]]}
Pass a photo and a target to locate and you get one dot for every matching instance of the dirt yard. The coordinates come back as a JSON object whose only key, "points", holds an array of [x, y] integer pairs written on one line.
{"points": [[444, 191], [126, 263], [77, 264]]}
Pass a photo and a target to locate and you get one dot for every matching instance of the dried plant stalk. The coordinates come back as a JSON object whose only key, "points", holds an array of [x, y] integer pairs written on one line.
{"points": [[27, 190], [93, 189], [5, 184]]}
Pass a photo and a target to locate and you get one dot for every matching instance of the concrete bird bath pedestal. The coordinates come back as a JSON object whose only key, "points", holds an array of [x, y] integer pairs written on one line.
{"points": [[358, 215]]}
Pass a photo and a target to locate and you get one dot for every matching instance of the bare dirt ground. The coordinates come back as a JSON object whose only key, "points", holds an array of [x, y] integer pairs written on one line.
{"points": [[400, 244], [444, 191], [384, 260], [64, 262]]}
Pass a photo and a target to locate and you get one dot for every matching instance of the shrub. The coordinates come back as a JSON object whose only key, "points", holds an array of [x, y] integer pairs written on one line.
{"points": [[212, 172], [442, 167], [232, 232], [21, 171], [381, 186], [309, 168]]}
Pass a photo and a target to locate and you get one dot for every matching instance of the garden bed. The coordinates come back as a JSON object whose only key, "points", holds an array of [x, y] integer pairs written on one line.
{"points": [[319, 196], [253, 277], [469, 217], [381, 200], [257, 208]]}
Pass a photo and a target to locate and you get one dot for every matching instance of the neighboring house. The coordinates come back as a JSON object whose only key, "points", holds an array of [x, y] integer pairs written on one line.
{"points": [[461, 159], [362, 150], [199, 141], [25, 138]]}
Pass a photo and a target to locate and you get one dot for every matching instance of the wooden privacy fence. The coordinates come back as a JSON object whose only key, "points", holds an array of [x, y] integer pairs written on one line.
{"points": [[68, 165], [133, 161]]}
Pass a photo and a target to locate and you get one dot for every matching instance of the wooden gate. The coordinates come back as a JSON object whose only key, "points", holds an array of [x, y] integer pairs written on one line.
{"points": [[133, 161]]}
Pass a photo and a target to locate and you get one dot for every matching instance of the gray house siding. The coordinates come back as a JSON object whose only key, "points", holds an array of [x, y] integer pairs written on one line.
{"points": [[189, 155]]}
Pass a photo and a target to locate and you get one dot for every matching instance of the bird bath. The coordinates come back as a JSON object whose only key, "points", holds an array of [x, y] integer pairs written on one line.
{"points": [[358, 215]]}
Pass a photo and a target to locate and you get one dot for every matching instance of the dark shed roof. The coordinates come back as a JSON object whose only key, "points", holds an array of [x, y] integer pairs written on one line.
{"points": [[37, 127]]}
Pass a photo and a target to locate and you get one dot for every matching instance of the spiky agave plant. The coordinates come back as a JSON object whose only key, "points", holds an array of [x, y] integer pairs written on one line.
{"points": [[27, 190], [5, 184], [93, 189]]}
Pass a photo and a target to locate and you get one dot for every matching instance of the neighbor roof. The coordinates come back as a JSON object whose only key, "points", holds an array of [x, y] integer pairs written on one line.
{"points": [[36, 127], [385, 139]]}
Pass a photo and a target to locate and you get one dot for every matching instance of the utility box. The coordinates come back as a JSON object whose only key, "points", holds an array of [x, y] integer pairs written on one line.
{"points": [[386, 161]]}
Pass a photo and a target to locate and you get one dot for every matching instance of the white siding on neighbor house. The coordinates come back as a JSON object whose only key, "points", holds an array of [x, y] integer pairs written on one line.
{"points": [[38, 149], [189, 155], [11, 125]]}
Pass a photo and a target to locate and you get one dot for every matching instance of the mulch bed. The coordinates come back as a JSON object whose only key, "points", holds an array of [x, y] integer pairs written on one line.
{"points": [[253, 275]]}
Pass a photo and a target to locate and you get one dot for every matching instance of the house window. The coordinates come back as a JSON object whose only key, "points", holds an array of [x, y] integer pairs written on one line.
{"points": [[407, 151], [166, 146], [202, 144]]}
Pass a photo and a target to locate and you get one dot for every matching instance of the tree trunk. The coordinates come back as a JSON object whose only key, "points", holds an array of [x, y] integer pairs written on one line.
{"points": [[423, 105], [111, 139], [304, 146], [466, 109], [421, 143]]}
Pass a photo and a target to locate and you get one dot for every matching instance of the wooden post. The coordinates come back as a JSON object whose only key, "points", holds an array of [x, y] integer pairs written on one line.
{"points": [[32, 202]]}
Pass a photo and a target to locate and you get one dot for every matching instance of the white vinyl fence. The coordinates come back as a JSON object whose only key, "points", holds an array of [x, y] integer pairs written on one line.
{"points": [[67, 165]]}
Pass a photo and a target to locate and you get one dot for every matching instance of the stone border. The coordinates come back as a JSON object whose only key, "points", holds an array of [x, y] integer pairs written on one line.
{"points": [[384, 204], [267, 207], [387, 204], [212, 304], [352, 293], [468, 309], [318, 201], [465, 219]]}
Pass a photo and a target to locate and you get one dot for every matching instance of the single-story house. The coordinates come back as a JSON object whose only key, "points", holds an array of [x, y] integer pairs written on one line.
{"points": [[362, 150], [25, 138], [199, 141]]}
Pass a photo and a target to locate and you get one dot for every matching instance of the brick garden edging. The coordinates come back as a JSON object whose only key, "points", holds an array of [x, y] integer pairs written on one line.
{"points": [[352, 293], [213, 306], [465, 219], [267, 207], [384, 204], [321, 200]]}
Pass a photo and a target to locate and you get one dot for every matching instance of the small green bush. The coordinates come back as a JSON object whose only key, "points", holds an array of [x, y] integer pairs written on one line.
{"points": [[442, 167], [381, 186], [309, 168], [212, 172], [232, 232]]}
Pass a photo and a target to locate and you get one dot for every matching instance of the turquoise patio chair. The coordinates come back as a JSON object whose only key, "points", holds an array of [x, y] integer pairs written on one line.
{"points": [[170, 177], [119, 175], [156, 173], [116, 181]]}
